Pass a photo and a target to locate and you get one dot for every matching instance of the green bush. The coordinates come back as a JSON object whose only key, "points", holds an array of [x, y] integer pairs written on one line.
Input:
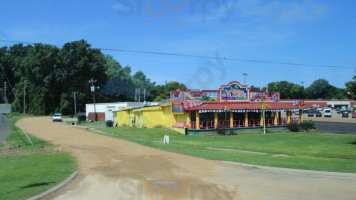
{"points": [[221, 129], [293, 127], [308, 125]]}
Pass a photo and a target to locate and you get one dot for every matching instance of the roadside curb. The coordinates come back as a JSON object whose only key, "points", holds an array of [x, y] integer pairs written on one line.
{"points": [[291, 170], [55, 188]]}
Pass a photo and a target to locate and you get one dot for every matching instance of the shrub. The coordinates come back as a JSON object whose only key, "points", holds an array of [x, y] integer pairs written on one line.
{"points": [[293, 127], [308, 125], [221, 129]]}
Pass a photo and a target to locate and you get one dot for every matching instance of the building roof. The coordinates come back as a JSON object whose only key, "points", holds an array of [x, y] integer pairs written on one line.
{"points": [[244, 106]]}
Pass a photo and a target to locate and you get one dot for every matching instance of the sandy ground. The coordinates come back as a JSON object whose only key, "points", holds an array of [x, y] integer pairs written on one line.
{"points": [[115, 169]]}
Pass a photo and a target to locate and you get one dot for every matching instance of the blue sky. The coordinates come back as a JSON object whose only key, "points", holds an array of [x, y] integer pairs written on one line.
{"points": [[318, 32]]}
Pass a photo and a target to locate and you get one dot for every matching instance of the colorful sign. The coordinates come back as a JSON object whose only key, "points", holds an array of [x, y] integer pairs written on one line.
{"points": [[190, 101], [177, 102], [234, 92], [257, 96]]}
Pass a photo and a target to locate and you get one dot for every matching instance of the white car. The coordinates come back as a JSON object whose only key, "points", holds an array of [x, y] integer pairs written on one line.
{"points": [[57, 117]]}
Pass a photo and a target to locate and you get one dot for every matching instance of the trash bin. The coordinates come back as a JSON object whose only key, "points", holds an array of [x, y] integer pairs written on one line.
{"points": [[109, 123], [81, 117]]}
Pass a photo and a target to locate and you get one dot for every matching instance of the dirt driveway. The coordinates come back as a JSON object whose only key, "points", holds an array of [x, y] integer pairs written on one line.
{"points": [[115, 169]]}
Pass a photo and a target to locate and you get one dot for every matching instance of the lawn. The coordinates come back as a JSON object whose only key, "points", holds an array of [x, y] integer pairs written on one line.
{"points": [[313, 151], [32, 170], [88, 123]]}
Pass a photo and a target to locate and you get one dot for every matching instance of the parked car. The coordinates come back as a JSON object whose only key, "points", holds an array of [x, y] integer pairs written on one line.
{"points": [[327, 112], [57, 117], [310, 114], [345, 114], [318, 114], [354, 115]]}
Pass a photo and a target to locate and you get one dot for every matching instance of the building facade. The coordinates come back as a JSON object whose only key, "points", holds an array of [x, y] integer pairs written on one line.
{"points": [[104, 111], [233, 106]]}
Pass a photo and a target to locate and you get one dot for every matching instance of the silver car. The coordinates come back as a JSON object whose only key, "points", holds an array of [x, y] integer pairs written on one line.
{"points": [[57, 117]]}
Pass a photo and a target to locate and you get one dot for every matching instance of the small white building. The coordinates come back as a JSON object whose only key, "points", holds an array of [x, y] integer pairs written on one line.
{"points": [[104, 111]]}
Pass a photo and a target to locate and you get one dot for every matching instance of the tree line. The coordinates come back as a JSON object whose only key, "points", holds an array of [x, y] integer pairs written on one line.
{"points": [[319, 89], [47, 77]]}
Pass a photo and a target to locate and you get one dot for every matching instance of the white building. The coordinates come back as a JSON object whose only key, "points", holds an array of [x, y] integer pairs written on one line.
{"points": [[104, 111]]}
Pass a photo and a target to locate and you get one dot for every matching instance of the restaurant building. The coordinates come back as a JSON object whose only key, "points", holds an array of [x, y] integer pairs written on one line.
{"points": [[233, 107]]}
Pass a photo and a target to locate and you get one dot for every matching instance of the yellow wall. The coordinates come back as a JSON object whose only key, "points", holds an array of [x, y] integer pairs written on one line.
{"points": [[124, 117], [150, 116]]}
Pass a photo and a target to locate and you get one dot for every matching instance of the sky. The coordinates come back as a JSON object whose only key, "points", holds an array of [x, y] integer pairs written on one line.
{"points": [[231, 33]]}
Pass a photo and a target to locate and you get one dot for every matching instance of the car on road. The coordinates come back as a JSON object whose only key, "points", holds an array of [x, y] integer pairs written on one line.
{"points": [[57, 117], [318, 114], [354, 115], [345, 114]]}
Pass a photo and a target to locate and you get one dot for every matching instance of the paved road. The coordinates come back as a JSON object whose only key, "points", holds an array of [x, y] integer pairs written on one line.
{"points": [[336, 127], [115, 169]]}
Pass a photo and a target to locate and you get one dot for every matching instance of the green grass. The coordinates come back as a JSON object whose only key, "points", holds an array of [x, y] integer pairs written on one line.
{"points": [[23, 176], [18, 138], [87, 123], [313, 151], [33, 172], [92, 123]]}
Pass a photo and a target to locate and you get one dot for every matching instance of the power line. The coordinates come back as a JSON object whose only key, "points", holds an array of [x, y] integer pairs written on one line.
{"points": [[204, 57]]}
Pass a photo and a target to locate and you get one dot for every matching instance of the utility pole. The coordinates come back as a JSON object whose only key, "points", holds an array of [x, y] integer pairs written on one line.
{"points": [[139, 95], [144, 95], [75, 104], [244, 74], [5, 92], [92, 81], [135, 94], [24, 97]]}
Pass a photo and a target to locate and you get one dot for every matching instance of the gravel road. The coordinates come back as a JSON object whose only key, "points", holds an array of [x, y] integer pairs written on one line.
{"points": [[115, 169]]}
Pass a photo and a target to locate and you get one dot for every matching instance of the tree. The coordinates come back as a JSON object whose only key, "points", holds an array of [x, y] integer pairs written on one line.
{"points": [[161, 92], [254, 88], [121, 84], [351, 88], [285, 89]]}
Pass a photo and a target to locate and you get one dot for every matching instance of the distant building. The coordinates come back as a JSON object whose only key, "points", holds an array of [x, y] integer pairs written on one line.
{"points": [[320, 103], [104, 111]]}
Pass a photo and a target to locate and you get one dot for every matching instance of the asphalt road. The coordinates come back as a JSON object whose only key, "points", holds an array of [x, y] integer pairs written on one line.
{"points": [[336, 127]]}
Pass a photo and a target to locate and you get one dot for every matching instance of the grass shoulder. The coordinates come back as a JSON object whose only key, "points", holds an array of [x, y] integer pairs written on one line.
{"points": [[27, 170]]}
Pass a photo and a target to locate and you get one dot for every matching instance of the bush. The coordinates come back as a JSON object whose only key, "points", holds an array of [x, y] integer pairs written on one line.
{"points": [[221, 129], [293, 127], [308, 125]]}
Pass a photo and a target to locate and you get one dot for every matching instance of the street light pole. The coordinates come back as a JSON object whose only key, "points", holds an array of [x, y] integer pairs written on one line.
{"points": [[244, 74]]}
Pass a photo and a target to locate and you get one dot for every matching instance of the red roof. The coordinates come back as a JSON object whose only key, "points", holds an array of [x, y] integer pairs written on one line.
{"points": [[244, 106]]}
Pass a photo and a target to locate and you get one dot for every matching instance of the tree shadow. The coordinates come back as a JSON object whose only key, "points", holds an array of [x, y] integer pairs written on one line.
{"points": [[36, 185]]}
